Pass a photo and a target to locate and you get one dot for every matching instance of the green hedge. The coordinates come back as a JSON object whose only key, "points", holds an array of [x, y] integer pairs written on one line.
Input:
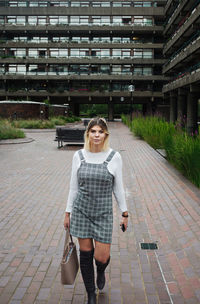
{"points": [[182, 150]]}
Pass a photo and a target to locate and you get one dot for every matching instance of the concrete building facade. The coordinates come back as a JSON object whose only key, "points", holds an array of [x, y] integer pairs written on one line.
{"points": [[90, 51], [182, 51], [73, 52]]}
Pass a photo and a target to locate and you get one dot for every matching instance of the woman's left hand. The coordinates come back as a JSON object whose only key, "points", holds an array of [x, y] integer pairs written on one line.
{"points": [[124, 221]]}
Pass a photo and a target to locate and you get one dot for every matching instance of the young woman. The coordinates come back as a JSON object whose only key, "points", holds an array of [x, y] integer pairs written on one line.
{"points": [[96, 173]]}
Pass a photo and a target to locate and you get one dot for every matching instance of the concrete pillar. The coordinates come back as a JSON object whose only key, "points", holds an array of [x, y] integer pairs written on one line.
{"points": [[74, 108], [149, 108], [110, 111], [181, 106], [192, 112], [173, 108], [144, 109]]}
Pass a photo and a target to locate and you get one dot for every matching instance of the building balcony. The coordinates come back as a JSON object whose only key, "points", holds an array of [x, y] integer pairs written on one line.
{"points": [[76, 11], [184, 56], [83, 60], [81, 93], [71, 44], [184, 79], [188, 29], [104, 77], [75, 29], [178, 16]]}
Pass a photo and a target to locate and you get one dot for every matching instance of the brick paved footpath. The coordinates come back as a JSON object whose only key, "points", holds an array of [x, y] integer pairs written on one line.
{"points": [[164, 207]]}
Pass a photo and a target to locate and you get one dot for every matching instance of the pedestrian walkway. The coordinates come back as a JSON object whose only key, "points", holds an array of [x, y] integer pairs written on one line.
{"points": [[164, 208]]}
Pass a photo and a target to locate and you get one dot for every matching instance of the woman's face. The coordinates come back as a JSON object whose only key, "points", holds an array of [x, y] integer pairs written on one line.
{"points": [[96, 136]]}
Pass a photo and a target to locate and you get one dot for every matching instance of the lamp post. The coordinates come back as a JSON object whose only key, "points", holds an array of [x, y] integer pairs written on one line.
{"points": [[131, 89]]}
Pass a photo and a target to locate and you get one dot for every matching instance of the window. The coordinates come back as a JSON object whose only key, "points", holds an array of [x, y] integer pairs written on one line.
{"points": [[22, 4], [105, 53], [83, 52], [105, 39], [148, 21], [117, 20], [116, 53], [138, 20], [17, 69], [84, 19], [33, 53], [116, 40], [105, 20], [126, 69], [116, 86], [126, 53], [20, 53], [137, 53], [147, 71], [74, 52], [32, 69], [74, 20], [42, 53], [79, 52], [101, 4], [33, 3], [63, 19], [125, 40], [96, 20], [12, 19], [13, 3], [116, 69], [53, 20], [59, 3], [117, 4], [84, 4], [84, 69], [42, 20], [104, 69], [94, 69], [1, 19], [137, 71], [2, 69], [32, 20], [126, 20], [75, 4], [147, 53]]}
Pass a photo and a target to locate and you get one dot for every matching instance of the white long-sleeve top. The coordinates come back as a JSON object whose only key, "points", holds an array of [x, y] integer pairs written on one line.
{"points": [[114, 167]]}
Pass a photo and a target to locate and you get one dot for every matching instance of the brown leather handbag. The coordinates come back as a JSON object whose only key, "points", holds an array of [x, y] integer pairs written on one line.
{"points": [[69, 263]]}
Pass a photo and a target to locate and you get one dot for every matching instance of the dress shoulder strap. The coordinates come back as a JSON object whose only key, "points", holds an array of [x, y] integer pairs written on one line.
{"points": [[110, 156], [80, 153]]}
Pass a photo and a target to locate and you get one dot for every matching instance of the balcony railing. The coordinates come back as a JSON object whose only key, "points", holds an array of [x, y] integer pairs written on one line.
{"points": [[188, 43]]}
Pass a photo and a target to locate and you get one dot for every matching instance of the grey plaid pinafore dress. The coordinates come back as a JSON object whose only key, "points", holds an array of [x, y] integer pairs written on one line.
{"points": [[92, 213]]}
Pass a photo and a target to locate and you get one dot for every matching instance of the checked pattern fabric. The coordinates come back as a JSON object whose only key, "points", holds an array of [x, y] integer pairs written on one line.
{"points": [[92, 214]]}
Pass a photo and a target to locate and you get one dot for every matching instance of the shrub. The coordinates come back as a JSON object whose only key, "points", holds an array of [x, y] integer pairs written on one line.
{"points": [[9, 132]]}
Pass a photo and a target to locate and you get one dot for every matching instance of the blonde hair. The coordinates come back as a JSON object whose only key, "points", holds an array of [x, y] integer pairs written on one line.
{"points": [[101, 122]]}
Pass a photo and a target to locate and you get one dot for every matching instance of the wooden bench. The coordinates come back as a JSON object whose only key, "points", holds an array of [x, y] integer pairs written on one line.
{"points": [[72, 136]]}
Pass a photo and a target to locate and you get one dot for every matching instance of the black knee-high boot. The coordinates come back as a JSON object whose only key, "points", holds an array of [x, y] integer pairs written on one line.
{"points": [[87, 271], [101, 273]]}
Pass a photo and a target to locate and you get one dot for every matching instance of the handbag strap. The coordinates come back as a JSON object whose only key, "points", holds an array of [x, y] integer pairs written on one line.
{"points": [[66, 244]]}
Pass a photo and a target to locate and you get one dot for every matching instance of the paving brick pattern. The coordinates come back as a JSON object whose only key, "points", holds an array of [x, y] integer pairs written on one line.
{"points": [[164, 208]]}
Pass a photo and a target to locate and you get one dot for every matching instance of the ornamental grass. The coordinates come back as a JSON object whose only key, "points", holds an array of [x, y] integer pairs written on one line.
{"points": [[182, 150], [7, 131]]}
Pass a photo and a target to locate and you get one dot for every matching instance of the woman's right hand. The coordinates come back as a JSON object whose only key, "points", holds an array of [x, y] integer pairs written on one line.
{"points": [[67, 221]]}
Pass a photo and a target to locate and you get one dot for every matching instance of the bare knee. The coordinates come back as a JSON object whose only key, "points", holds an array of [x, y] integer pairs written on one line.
{"points": [[85, 244], [102, 259], [102, 252]]}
